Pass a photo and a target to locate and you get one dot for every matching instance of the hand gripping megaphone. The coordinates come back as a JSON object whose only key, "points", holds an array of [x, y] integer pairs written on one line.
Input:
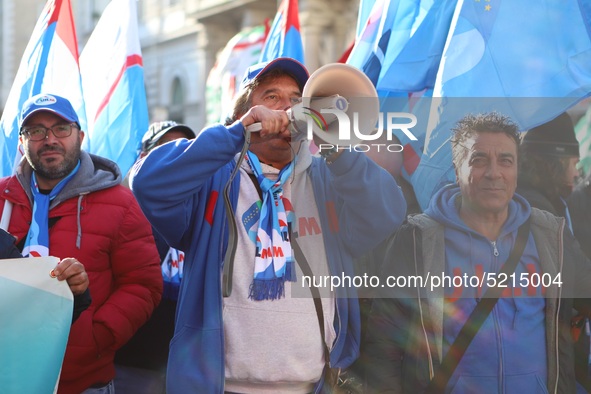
{"points": [[339, 105]]}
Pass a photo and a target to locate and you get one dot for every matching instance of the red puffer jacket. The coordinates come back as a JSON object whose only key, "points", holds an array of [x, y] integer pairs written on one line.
{"points": [[100, 223]]}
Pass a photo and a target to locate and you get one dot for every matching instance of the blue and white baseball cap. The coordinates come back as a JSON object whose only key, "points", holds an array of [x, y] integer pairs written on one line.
{"points": [[51, 103], [288, 64]]}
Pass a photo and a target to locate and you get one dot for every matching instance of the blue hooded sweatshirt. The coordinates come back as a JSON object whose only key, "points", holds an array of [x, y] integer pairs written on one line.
{"points": [[180, 187], [508, 354]]}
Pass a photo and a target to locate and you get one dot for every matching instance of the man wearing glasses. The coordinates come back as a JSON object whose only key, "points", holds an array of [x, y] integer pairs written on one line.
{"points": [[69, 203]]}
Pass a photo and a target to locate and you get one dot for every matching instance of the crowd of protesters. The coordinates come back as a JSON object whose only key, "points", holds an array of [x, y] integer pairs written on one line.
{"points": [[188, 280]]}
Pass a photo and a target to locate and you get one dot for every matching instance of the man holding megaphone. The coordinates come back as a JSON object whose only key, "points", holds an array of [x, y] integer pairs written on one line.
{"points": [[245, 322]]}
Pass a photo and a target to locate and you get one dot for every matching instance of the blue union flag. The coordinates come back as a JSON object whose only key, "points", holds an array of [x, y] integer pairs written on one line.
{"points": [[530, 71]]}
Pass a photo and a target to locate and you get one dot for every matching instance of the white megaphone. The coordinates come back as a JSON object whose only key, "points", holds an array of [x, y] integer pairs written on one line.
{"points": [[339, 105]]}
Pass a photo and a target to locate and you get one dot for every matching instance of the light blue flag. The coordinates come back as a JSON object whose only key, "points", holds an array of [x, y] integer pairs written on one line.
{"points": [[365, 7], [529, 61], [36, 312], [284, 39], [414, 52], [583, 133], [370, 45], [49, 65], [401, 42], [113, 80], [399, 49]]}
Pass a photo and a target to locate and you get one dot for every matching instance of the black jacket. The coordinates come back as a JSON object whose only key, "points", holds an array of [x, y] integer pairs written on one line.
{"points": [[7, 248], [537, 199], [579, 206]]}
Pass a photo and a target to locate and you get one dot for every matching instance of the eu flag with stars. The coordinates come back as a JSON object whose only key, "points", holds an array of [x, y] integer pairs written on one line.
{"points": [[528, 60]]}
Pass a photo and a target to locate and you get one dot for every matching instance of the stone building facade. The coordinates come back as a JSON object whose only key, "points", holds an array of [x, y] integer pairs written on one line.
{"points": [[180, 40]]}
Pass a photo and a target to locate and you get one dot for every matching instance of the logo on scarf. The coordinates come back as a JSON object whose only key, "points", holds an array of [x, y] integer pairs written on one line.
{"points": [[273, 264]]}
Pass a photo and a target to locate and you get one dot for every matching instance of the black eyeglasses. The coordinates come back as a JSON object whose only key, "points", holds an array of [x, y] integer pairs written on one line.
{"points": [[39, 133]]}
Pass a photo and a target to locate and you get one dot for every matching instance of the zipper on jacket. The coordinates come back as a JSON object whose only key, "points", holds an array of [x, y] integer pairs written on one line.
{"points": [[497, 324], [338, 316], [495, 250], [221, 320]]}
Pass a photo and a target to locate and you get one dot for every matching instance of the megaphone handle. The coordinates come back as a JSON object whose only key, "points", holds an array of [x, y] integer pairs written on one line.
{"points": [[255, 127]]}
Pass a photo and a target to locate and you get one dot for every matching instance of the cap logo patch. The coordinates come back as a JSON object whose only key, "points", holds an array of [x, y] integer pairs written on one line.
{"points": [[46, 100]]}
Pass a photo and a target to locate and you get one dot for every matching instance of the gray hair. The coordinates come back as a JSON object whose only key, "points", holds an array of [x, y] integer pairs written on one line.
{"points": [[471, 124]]}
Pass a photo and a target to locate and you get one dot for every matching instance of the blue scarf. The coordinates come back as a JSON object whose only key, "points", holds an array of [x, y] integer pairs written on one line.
{"points": [[273, 262], [37, 242]]}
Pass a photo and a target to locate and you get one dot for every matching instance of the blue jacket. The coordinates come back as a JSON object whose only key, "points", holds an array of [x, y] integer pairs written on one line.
{"points": [[516, 323], [180, 187], [410, 326]]}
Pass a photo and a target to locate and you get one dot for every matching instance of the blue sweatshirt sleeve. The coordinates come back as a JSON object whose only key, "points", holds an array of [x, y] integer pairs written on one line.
{"points": [[372, 205], [168, 180]]}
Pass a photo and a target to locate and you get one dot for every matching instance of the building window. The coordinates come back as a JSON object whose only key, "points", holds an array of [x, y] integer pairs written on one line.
{"points": [[177, 102]]}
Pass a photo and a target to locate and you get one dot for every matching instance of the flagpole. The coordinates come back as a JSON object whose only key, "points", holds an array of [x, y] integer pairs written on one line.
{"points": [[6, 214], [7, 210]]}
